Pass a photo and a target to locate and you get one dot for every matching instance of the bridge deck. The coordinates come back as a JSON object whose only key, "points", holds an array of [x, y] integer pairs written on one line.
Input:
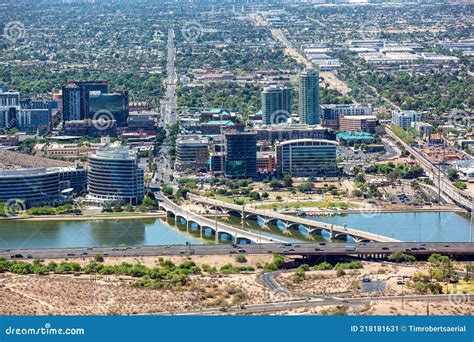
{"points": [[295, 219], [463, 250], [221, 227]]}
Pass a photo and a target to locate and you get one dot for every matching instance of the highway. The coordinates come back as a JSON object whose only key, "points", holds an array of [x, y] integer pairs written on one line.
{"points": [[168, 104], [462, 198], [372, 249], [290, 302]]}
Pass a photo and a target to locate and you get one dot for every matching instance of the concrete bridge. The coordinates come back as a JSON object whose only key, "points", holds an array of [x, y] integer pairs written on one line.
{"points": [[290, 222], [218, 229]]}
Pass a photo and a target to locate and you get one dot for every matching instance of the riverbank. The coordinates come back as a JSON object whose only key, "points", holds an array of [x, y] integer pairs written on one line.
{"points": [[104, 216], [373, 211]]}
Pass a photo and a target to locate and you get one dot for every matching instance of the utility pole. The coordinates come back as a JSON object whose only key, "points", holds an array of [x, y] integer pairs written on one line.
{"points": [[403, 281], [439, 169], [470, 226], [215, 218]]}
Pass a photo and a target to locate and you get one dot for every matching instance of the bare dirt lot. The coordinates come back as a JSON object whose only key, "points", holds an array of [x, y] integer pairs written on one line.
{"points": [[84, 294]]}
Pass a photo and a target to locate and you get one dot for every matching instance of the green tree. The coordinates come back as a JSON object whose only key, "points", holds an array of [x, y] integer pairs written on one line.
{"points": [[167, 190], [275, 184], [287, 180]]}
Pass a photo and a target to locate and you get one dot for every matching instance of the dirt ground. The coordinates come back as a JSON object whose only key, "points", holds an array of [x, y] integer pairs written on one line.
{"points": [[390, 308], [81, 294], [328, 283]]}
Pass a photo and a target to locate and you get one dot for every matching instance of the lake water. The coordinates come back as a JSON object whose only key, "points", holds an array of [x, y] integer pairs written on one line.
{"points": [[424, 226], [33, 234], [431, 226]]}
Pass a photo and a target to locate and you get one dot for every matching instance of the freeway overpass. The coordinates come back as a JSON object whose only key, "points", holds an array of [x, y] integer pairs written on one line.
{"points": [[218, 229], [290, 222], [440, 179], [374, 250]]}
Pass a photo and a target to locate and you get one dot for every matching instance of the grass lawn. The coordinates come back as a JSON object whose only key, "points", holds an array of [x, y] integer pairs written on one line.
{"points": [[309, 204], [122, 213], [226, 199]]}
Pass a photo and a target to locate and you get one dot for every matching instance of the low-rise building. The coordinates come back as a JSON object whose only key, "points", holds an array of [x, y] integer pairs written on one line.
{"points": [[9, 140], [358, 123], [331, 113], [425, 129], [92, 128], [405, 118], [72, 151], [141, 122], [355, 138], [266, 162], [291, 132], [39, 186], [306, 158]]}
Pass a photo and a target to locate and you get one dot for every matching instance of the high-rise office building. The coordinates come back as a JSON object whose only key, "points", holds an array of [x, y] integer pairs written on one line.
{"points": [[76, 98], [114, 176], [309, 97], [72, 103], [113, 103], [276, 105], [9, 106], [241, 155]]}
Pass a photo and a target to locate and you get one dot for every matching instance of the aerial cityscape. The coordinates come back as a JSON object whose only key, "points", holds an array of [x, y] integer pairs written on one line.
{"points": [[236, 157]]}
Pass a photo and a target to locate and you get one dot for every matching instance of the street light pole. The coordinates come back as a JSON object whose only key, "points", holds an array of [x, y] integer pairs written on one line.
{"points": [[470, 226], [403, 281]]}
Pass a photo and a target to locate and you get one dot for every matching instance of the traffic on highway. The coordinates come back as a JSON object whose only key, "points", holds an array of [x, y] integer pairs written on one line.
{"points": [[368, 249]]}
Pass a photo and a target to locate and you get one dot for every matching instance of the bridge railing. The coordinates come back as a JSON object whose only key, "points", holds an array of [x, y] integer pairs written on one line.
{"points": [[221, 227], [285, 218]]}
